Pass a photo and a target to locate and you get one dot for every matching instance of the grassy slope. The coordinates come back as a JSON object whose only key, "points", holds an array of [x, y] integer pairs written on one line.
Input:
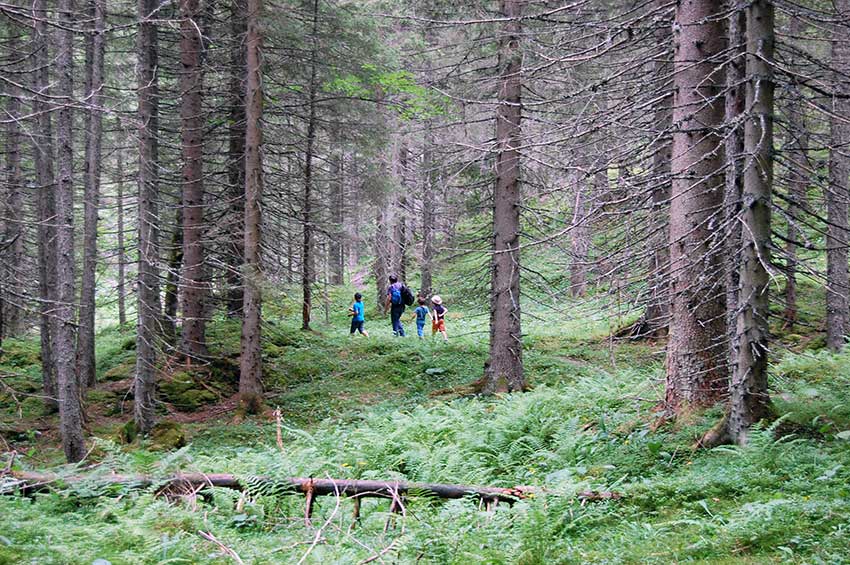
{"points": [[361, 409]]}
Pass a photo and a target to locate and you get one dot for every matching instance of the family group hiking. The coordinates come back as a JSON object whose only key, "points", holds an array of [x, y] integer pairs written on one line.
{"points": [[398, 298]]}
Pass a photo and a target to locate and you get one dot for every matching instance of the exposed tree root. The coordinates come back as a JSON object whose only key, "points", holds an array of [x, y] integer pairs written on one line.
{"points": [[640, 330], [717, 435]]}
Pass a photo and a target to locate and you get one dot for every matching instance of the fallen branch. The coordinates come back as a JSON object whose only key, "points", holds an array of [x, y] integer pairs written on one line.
{"points": [[26, 482], [226, 550]]}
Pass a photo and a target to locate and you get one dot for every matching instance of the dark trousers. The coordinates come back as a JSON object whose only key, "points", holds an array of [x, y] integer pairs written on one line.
{"points": [[396, 310]]}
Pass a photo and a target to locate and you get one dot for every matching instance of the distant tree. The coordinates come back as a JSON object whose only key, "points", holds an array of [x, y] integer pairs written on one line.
{"points": [[429, 179], [12, 252], [657, 314], [308, 275], [70, 411], [43, 161], [236, 157], [798, 168], [95, 47], [119, 229], [837, 280]]}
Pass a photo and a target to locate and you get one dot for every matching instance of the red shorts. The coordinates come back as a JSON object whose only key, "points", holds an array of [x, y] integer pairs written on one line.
{"points": [[438, 326]]}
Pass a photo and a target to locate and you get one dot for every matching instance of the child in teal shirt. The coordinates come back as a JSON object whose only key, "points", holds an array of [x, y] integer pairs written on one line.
{"points": [[357, 315]]}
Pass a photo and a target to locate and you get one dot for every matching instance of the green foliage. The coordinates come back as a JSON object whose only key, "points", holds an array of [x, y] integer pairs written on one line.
{"points": [[361, 408], [19, 353], [413, 101]]}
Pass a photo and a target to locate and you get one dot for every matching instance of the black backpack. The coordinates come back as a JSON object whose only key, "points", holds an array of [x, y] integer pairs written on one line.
{"points": [[407, 297]]}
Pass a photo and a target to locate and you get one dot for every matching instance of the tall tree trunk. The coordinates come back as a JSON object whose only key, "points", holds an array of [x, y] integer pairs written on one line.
{"points": [[336, 246], [43, 160], [94, 135], [307, 259], [193, 343], [503, 370], [148, 280], [429, 179], [382, 255], [401, 222], [749, 397], [250, 364], [696, 365], [837, 308], [171, 292], [236, 158], [735, 158], [70, 409], [798, 180], [13, 234], [122, 253], [657, 315], [579, 237]]}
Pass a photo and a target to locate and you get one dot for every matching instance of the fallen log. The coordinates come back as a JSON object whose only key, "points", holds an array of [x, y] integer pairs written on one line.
{"points": [[26, 482]]}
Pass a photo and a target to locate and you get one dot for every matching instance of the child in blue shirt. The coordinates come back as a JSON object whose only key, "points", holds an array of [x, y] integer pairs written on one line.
{"points": [[357, 317], [421, 314]]}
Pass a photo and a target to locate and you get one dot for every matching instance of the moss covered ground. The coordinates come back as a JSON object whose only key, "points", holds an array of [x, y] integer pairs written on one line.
{"points": [[383, 408]]}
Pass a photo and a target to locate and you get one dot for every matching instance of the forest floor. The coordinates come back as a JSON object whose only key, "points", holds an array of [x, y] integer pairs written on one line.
{"points": [[384, 408]]}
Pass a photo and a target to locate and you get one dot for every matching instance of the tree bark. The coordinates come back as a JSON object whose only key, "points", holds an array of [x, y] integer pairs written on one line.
{"points": [[428, 216], [307, 259], [236, 158], [148, 280], [193, 343], [13, 212], [798, 186], [336, 247], [250, 363], [122, 252], [696, 365], [94, 135], [43, 160], [401, 215], [579, 237], [171, 292], [837, 307], [657, 315], [749, 397], [504, 370], [735, 158], [70, 410], [382, 254]]}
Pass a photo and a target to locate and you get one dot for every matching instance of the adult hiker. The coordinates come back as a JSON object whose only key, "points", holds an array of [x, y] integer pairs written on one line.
{"points": [[398, 297]]}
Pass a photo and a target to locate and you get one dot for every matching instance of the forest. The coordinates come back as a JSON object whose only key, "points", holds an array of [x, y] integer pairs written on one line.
{"points": [[422, 281]]}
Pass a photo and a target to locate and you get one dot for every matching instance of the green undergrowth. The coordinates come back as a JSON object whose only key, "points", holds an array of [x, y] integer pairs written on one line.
{"points": [[389, 409]]}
